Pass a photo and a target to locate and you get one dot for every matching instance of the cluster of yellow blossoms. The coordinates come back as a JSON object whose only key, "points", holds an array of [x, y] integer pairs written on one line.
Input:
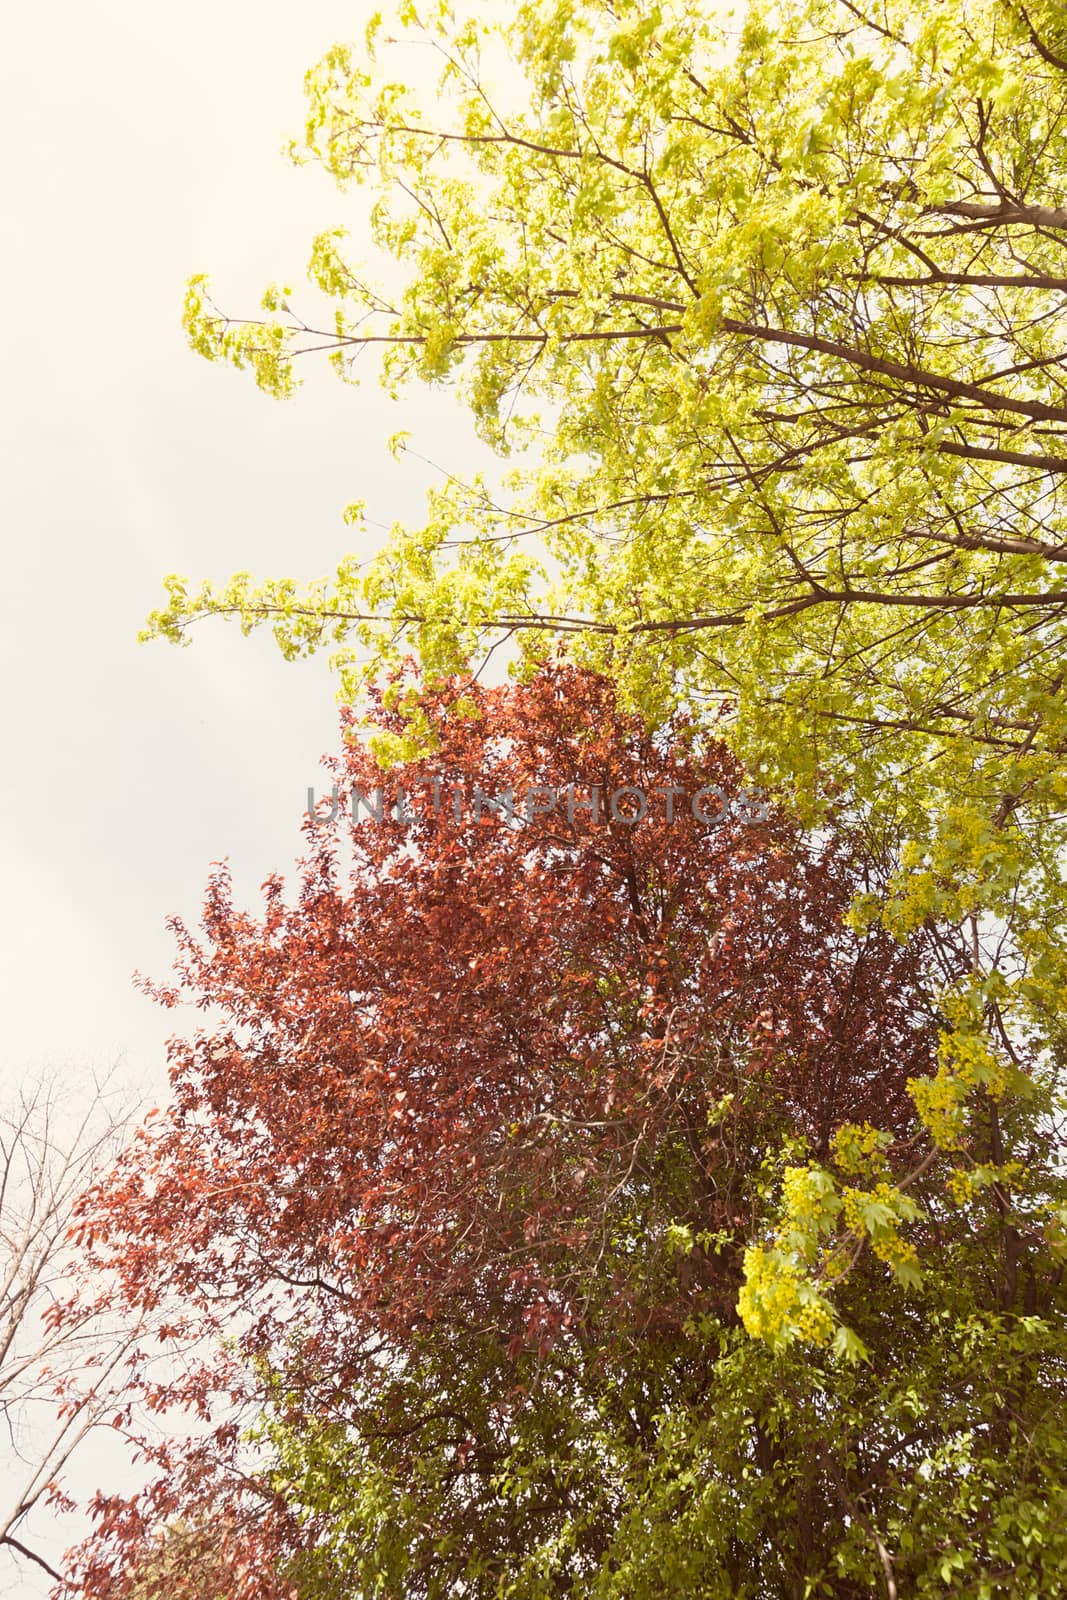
{"points": [[939, 1102], [781, 1298], [963, 1184], [966, 1061], [770, 1296], [811, 1205], [878, 1213], [777, 1305], [859, 1148]]}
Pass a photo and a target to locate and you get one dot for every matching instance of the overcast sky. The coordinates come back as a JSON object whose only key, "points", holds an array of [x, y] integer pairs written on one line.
{"points": [[143, 145]]}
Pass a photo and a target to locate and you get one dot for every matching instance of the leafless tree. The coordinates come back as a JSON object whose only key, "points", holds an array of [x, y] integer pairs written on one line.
{"points": [[62, 1347]]}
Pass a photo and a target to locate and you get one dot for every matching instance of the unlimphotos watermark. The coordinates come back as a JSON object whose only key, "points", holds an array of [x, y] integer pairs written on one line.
{"points": [[629, 804]]}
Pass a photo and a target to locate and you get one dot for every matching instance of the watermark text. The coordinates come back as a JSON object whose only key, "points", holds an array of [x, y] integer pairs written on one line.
{"points": [[629, 804]]}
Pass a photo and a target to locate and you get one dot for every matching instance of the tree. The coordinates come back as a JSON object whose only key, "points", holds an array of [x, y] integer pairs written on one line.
{"points": [[706, 1467], [467, 1173], [792, 288], [190, 1561], [62, 1369]]}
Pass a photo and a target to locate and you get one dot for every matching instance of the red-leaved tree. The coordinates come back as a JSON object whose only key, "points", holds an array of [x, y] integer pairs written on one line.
{"points": [[497, 1049]]}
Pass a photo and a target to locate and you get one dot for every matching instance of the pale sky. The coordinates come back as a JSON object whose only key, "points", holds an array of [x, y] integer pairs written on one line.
{"points": [[143, 145]]}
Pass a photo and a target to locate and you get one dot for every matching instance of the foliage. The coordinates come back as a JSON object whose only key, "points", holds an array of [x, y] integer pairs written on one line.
{"points": [[192, 1561], [705, 1466], [489, 1118], [791, 284], [788, 285], [768, 309]]}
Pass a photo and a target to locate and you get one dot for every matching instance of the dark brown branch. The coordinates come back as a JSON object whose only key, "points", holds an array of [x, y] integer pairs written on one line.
{"points": [[1053, 599], [1015, 458], [31, 1555], [976, 280], [990, 399], [910, 725], [992, 216], [920, 376], [1004, 545], [1039, 45]]}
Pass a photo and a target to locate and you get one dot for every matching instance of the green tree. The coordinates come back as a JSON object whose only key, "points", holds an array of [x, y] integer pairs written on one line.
{"points": [[769, 308], [700, 1465]]}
